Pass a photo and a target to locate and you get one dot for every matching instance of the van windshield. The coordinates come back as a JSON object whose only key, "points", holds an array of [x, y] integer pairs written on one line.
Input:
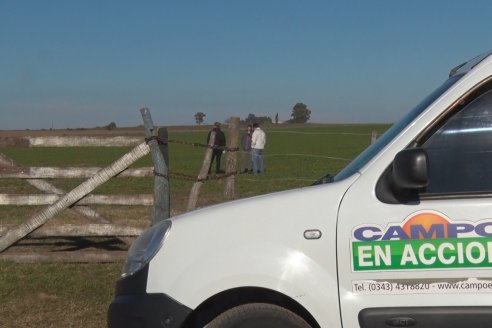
{"points": [[364, 157]]}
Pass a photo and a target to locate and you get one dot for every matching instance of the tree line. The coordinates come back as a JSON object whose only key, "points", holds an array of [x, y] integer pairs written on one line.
{"points": [[300, 114]]}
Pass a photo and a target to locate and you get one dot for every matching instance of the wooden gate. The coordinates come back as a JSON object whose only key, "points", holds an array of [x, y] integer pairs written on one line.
{"points": [[80, 198]]}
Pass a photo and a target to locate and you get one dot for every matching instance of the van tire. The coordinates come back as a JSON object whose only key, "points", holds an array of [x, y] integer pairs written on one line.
{"points": [[258, 315]]}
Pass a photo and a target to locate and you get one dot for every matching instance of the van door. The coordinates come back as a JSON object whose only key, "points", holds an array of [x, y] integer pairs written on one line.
{"points": [[422, 256]]}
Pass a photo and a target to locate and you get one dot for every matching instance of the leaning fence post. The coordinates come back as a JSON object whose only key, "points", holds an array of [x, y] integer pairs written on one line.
{"points": [[233, 126], [161, 208], [202, 176]]}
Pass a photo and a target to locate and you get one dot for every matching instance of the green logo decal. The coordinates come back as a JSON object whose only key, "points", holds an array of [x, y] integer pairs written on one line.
{"points": [[425, 240]]}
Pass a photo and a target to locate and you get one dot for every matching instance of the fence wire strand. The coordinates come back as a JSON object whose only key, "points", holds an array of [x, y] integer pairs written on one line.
{"points": [[193, 144], [190, 177]]}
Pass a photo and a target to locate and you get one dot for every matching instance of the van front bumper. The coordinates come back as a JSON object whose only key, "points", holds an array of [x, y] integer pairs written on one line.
{"points": [[132, 307], [146, 311]]}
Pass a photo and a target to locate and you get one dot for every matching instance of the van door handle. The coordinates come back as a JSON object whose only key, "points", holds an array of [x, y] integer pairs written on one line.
{"points": [[401, 322]]}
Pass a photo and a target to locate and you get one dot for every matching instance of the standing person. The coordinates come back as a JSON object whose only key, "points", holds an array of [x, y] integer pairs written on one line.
{"points": [[219, 144], [246, 147], [258, 141]]}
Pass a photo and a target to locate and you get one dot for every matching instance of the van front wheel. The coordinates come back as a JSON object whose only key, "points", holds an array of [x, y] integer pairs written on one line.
{"points": [[258, 315]]}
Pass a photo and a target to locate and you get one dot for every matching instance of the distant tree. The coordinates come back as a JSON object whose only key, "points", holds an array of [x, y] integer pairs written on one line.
{"points": [[300, 113], [199, 118], [252, 118], [110, 126]]}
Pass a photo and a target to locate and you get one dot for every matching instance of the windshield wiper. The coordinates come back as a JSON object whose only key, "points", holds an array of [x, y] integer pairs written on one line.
{"points": [[326, 179]]}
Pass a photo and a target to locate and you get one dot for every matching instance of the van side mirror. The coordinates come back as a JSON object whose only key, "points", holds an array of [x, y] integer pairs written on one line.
{"points": [[410, 169]]}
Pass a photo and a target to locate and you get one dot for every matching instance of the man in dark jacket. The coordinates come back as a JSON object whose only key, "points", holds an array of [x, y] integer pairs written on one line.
{"points": [[219, 145]]}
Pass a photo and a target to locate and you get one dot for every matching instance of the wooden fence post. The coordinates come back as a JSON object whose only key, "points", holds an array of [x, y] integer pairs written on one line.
{"points": [[233, 128], [374, 137], [161, 209], [195, 190], [16, 233]]}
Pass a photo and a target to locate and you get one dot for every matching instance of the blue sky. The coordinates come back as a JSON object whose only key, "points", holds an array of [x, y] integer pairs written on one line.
{"points": [[70, 64]]}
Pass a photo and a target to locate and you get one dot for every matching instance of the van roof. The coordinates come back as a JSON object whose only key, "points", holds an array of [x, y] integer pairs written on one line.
{"points": [[467, 66]]}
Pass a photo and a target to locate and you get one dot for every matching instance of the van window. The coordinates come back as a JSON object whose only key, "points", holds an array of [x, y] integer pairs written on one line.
{"points": [[363, 158], [460, 151]]}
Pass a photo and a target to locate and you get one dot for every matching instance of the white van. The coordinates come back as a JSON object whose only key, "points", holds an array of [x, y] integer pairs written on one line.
{"points": [[401, 237]]}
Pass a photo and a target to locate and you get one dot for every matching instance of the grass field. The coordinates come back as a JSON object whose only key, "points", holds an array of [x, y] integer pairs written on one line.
{"points": [[77, 295]]}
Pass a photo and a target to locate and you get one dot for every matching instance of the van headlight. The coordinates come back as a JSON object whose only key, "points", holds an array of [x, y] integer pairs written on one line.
{"points": [[145, 247]]}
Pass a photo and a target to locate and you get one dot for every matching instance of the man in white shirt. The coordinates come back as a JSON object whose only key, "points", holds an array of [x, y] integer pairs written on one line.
{"points": [[258, 141]]}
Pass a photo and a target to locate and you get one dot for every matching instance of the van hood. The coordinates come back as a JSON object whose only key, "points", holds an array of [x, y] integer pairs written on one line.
{"points": [[250, 238], [307, 206]]}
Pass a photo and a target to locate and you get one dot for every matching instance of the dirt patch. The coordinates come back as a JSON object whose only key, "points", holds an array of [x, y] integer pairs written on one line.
{"points": [[11, 141]]}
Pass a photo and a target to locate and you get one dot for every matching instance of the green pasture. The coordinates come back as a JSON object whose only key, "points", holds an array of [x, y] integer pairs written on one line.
{"points": [[77, 295], [294, 157]]}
